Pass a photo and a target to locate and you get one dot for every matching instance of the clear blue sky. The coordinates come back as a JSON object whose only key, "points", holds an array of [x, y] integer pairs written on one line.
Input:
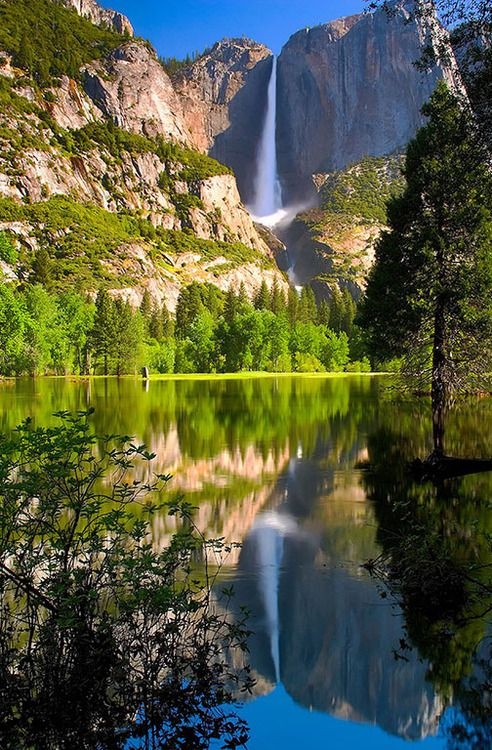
{"points": [[178, 27]]}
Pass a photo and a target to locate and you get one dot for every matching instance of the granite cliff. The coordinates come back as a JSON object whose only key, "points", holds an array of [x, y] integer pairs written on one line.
{"points": [[350, 89], [91, 10], [113, 140], [223, 97], [346, 90]]}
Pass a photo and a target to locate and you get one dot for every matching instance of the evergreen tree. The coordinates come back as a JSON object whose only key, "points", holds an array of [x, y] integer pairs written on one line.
{"points": [[307, 310], [323, 313], [429, 292], [41, 268], [128, 327], [336, 311], [156, 323], [292, 305], [188, 308], [146, 308], [348, 312], [261, 299], [277, 299], [103, 334]]}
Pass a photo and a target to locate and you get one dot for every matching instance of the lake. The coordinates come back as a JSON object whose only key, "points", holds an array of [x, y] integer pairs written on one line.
{"points": [[311, 475]]}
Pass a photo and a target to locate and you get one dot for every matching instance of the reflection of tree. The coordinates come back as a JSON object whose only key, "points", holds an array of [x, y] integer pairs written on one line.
{"points": [[436, 561]]}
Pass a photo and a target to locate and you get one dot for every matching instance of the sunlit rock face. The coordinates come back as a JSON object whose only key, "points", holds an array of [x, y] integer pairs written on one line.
{"points": [[101, 16], [133, 89], [350, 88]]}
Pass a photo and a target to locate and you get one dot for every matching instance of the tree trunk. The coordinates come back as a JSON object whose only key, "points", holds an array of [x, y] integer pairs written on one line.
{"points": [[439, 385]]}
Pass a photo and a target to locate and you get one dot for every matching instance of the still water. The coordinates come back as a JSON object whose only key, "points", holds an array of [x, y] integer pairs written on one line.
{"points": [[305, 473]]}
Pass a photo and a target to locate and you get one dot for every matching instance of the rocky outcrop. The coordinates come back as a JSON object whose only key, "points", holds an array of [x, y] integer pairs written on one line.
{"points": [[350, 88], [133, 89], [101, 16], [223, 96]]}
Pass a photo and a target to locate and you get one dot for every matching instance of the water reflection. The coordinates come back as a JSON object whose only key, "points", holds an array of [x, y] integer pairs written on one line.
{"points": [[320, 627], [311, 475]]}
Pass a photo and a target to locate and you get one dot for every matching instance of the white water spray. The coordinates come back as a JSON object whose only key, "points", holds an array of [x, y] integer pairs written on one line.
{"points": [[267, 205]]}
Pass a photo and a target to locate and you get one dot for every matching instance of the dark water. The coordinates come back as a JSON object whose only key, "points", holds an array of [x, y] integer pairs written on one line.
{"points": [[310, 474]]}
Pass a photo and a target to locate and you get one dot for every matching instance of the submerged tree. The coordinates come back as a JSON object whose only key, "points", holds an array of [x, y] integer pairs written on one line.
{"points": [[105, 641], [429, 294]]}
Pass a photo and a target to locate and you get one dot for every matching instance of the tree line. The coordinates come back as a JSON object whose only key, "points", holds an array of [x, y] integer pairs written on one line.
{"points": [[44, 332]]}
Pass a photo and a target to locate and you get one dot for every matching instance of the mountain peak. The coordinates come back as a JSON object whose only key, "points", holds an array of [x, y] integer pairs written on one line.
{"points": [[100, 16]]}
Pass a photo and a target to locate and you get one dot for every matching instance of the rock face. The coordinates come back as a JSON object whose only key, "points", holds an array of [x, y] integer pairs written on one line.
{"points": [[133, 89], [101, 16], [223, 97], [348, 89]]}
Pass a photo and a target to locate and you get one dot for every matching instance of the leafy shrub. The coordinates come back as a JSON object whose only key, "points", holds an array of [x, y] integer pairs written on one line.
{"points": [[103, 639], [8, 253]]}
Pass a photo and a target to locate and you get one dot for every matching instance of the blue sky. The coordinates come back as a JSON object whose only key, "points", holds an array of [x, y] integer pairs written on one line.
{"points": [[178, 27]]}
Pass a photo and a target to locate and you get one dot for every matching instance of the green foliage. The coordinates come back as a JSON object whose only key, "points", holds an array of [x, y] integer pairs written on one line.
{"points": [[8, 253], [48, 40], [13, 320], [173, 65], [235, 253], [363, 189], [10, 101], [181, 162], [74, 239], [436, 555], [106, 135], [428, 296], [45, 331], [103, 639]]}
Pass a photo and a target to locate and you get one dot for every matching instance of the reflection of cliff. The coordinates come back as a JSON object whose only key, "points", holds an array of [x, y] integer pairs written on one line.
{"points": [[336, 650], [321, 630], [228, 488]]}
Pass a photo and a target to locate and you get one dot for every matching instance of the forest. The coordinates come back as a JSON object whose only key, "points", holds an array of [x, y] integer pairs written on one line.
{"points": [[49, 333]]}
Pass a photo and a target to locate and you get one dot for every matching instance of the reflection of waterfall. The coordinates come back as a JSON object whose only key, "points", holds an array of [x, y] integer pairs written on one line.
{"points": [[268, 535], [268, 200]]}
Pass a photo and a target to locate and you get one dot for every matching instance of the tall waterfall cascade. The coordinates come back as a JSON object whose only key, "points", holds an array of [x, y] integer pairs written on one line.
{"points": [[267, 205]]}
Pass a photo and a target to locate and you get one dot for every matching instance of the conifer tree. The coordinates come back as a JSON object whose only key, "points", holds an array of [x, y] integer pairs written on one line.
{"points": [[262, 297], [429, 295]]}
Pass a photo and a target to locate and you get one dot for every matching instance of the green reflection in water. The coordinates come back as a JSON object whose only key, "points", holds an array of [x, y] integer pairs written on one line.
{"points": [[436, 541], [316, 447]]}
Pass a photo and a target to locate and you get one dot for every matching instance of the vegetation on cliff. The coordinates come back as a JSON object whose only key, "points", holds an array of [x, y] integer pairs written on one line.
{"points": [[85, 245], [49, 40], [363, 190]]}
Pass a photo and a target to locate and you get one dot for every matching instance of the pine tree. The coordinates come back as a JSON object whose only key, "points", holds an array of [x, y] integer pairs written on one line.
{"points": [[103, 334], [429, 293], [261, 299], [277, 299]]}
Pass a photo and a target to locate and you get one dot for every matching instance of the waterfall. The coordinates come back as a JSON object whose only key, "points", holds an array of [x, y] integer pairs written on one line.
{"points": [[268, 200]]}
